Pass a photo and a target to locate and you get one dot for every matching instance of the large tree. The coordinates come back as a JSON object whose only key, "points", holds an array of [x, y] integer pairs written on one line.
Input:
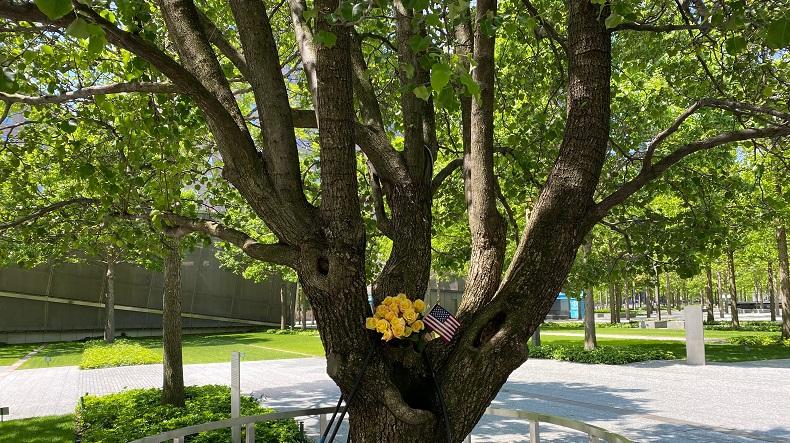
{"points": [[597, 51]]}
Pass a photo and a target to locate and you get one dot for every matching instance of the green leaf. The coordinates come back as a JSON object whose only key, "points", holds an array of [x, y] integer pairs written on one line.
{"points": [[419, 44], [54, 9], [310, 13], [613, 20], [96, 44], [447, 99], [325, 38], [471, 85], [79, 28], [85, 170], [735, 44], [7, 82], [422, 92], [778, 33], [440, 76]]}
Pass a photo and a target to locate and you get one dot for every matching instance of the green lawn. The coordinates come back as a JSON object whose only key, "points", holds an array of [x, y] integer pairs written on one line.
{"points": [[200, 348], [714, 352], [11, 353], [53, 429]]}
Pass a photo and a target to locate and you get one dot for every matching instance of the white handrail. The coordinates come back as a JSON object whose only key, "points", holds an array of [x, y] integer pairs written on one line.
{"points": [[177, 435]]}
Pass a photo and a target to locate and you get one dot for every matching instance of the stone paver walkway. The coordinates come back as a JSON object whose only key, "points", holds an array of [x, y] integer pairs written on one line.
{"points": [[653, 401]]}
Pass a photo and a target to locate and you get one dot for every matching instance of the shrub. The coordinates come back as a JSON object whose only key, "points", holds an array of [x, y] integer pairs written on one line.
{"points": [[609, 355], [759, 340], [624, 325], [137, 413], [752, 326], [98, 354]]}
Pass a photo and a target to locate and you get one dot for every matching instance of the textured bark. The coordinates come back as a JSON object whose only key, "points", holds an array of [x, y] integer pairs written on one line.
{"points": [[109, 303], [771, 291], [733, 287], [173, 367], [628, 299], [709, 292], [720, 292], [486, 225], [784, 279], [590, 341], [668, 293]]}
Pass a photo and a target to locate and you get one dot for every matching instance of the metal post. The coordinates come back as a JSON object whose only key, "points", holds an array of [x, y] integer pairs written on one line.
{"points": [[322, 422], [534, 431], [235, 394], [468, 439], [250, 438]]}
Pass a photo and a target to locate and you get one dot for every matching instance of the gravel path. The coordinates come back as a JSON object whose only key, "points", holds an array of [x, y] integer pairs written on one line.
{"points": [[652, 401]]}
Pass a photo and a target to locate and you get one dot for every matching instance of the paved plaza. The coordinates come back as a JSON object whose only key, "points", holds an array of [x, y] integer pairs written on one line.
{"points": [[653, 401]]}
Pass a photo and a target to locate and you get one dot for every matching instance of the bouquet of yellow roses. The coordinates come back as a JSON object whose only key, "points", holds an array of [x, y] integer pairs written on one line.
{"points": [[397, 317]]}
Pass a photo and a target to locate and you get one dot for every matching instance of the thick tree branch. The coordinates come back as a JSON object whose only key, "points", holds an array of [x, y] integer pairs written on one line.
{"points": [[46, 210], [634, 26], [445, 172], [304, 39], [278, 253], [652, 171], [217, 39], [546, 24], [90, 91]]}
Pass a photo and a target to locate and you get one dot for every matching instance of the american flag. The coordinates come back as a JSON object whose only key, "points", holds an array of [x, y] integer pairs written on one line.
{"points": [[442, 322]]}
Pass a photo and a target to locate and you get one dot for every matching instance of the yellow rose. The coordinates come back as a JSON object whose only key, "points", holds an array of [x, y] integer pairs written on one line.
{"points": [[382, 325], [370, 323], [410, 316], [418, 326], [390, 316], [394, 308], [407, 331], [405, 305], [381, 311], [387, 300], [398, 330], [397, 321], [401, 296], [419, 305], [387, 335]]}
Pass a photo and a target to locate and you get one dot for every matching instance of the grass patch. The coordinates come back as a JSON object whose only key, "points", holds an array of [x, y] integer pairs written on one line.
{"points": [[211, 348], [53, 429], [98, 354], [9, 354], [137, 413], [56, 354]]}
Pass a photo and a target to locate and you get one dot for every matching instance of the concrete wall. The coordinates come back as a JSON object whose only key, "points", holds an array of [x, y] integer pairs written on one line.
{"points": [[207, 290]]}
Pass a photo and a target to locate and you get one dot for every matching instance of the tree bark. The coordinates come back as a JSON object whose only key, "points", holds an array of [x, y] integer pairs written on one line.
{"points": [[612, 303], [784, 279], [668, 293], [648, 303], [173, 368], [109, 303], [709, 292], [720, 291], [629, 298], [771, 291], [590, 341], [283, 307], [733, 288]]}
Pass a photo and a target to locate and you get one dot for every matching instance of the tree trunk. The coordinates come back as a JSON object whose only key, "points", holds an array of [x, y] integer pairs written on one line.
{"points": [[283, 307], [618, 292], [784, 279], [733, 288], [612, 304], [720, 292], [658, 298], [771, 291], [648, 303], [590, 341], [109, 303], [628, 299], [300, 299], [668, 293], [709, 292], [173, 368]]}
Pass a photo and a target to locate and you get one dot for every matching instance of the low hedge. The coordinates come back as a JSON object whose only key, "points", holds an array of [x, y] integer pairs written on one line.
{"points": [[759, 340], [752, 326], [122, 352], [578, 324], [137, 413], [608, 355]]}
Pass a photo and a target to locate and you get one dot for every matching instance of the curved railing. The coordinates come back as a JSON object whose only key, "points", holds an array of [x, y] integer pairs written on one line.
{"points": [[595, 433]]}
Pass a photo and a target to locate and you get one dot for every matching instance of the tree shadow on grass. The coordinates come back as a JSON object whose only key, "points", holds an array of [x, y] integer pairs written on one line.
{"points": [[55, 429]]}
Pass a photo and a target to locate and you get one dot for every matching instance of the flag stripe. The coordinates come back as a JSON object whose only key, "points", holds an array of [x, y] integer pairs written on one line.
{"points": [[435, 325], [442, 322]]}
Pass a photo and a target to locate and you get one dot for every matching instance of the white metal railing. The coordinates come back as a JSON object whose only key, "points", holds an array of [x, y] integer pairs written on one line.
{"points": [[595, 433]]}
